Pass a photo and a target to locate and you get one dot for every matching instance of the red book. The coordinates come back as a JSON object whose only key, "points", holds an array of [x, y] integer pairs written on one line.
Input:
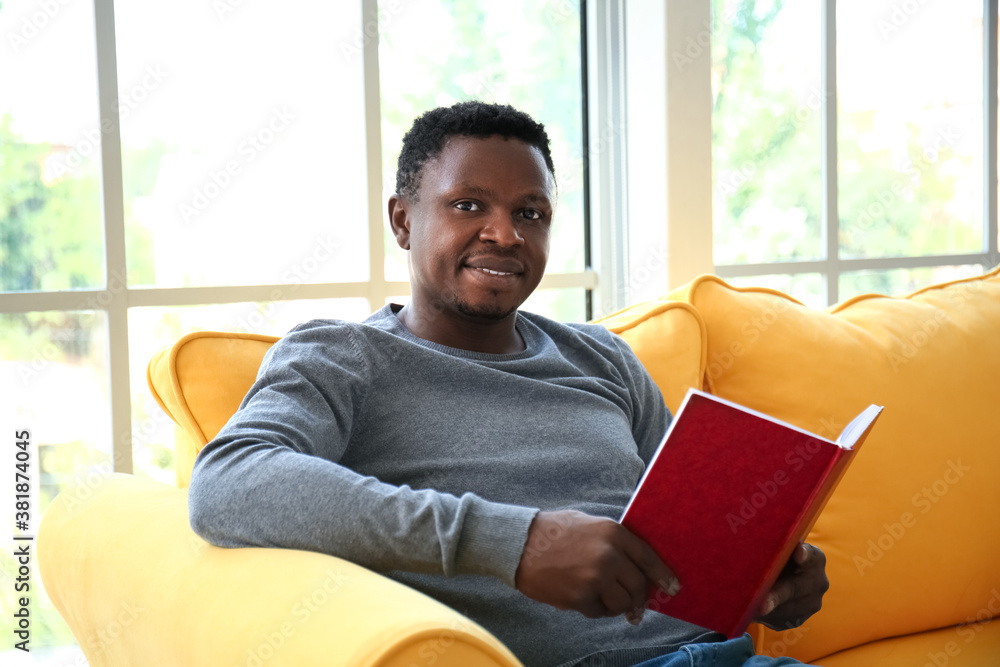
{"points": [[728, 495]]}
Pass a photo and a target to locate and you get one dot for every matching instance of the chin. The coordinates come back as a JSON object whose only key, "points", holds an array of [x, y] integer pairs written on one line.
{"points": [[487, 312]]}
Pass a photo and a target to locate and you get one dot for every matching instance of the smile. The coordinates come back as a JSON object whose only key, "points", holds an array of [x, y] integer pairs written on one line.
{"points": [[493, 273]]}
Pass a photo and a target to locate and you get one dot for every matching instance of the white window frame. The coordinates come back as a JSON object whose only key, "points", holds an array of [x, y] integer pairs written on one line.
{"points": [[116, 298], [670, 165], [833, 266]]}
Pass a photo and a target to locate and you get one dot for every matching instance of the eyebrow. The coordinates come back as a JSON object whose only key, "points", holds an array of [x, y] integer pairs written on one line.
{"points": [[487, 193]]}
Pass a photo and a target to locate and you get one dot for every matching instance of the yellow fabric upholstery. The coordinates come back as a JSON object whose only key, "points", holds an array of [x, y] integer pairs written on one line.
{"points": [[911, 535], [965, 646], [138, 587], [669, 339], [200, 381]]}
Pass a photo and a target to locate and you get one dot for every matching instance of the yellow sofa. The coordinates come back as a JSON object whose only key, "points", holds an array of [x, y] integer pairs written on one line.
{"points": [[911, 536]]}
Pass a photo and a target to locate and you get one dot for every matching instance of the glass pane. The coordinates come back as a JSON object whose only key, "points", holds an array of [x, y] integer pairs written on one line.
{"points": [[242, 143], [55, 379], [910, 124], [51, 234], [437, 52], [806, 287], [561, 305], [153, 328], [901, 282], [766, 131]]}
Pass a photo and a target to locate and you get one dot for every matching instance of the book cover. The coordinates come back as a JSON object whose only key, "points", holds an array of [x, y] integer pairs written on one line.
{"points": [[726, 498]]}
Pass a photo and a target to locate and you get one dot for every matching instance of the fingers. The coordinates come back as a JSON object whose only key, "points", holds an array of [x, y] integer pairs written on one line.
{"points": [[593, 565], [798, 593], [652, 566]]}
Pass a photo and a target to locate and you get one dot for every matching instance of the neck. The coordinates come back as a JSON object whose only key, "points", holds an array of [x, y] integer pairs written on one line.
{"points": [[486, 336]]}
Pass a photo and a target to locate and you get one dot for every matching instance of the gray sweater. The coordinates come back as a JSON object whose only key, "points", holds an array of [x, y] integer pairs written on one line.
{"points": [[428, 463]]}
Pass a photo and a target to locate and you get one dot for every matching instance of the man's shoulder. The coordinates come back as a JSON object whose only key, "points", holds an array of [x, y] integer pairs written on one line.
{"points": [[329, 329], [333, 340], [577, 334]]}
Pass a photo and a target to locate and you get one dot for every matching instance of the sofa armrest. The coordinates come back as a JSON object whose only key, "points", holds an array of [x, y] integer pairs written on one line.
{"points": [[137, 586]]}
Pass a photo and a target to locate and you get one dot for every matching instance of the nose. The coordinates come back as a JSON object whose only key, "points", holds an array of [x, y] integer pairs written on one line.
{"points": [[502, 230]]}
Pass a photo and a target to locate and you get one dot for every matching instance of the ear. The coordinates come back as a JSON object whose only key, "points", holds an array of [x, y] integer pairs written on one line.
{"points": [[399, 220]]}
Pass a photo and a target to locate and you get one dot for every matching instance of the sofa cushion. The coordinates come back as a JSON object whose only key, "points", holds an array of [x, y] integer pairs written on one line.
{"points": [[910, 536], [200, 381], [674, 367]]}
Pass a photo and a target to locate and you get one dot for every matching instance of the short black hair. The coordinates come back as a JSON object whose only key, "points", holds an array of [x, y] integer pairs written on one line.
{"points": [[473, 118]]}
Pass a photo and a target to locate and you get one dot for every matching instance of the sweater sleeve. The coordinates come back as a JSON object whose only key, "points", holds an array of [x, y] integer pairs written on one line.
{"points": [[271, 477], [650, 415]]}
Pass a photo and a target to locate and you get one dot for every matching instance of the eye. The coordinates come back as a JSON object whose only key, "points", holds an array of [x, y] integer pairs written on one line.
{"points": [[532, 214], [467, 206]]}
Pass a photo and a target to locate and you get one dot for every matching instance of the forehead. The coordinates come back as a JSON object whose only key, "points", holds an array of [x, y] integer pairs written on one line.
{"points": [[495, 163]]}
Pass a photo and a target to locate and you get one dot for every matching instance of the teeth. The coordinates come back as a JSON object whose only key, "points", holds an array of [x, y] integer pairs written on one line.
{"points": [[494, 273]]}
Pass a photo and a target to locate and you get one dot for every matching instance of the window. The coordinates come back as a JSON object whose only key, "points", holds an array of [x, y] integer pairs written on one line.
{"points": [[257, 150], [875, 185]]}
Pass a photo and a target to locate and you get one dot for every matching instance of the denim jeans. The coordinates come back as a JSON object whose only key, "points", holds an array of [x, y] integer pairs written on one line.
{"points": [[733, 653]]}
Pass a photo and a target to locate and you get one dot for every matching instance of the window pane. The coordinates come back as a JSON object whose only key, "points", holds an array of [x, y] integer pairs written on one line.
{"points": [[900, 282], [153, 328], [242, 142], [51, 234], [909, 79], [766, 131], [806, 287], [561, 305], [437, 52], [53, 365]]}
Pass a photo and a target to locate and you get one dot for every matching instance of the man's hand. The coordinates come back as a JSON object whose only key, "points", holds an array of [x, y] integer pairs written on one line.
{"points": [[798, 593], [593, 565]]}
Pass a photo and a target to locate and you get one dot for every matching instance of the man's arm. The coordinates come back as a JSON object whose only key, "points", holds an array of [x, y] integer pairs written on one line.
{"points": [[271, 478]]}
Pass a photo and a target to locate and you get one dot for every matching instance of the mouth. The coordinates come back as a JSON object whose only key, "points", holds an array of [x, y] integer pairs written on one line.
{"points": [[495, 266], [493, 273]]}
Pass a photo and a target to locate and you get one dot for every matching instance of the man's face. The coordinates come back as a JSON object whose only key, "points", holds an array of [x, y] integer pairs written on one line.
{"points": [[478, 232]]}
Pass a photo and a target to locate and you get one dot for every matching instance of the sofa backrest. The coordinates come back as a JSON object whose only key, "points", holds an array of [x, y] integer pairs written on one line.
{"points": [[200, 381], [910, 535]]}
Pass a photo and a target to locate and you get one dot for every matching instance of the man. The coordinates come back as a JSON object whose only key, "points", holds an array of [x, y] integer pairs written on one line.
{"points": [[475, 452]]}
